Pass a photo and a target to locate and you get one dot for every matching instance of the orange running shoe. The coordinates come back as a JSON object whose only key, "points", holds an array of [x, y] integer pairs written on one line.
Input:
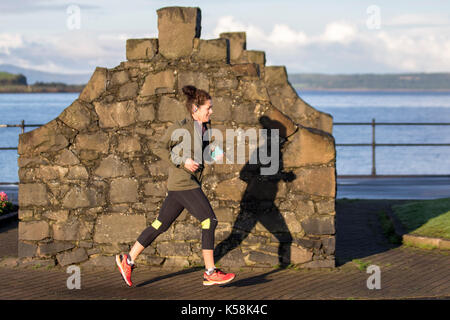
{"points": [[124, 268], [217, 277]]}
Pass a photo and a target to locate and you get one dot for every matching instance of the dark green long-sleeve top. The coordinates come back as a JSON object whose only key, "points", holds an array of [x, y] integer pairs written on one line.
{"points": [[185, 143]]}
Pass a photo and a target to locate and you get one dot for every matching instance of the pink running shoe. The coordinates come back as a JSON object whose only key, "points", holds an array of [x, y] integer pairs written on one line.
{"points": [[124, 268], [217, 277]]}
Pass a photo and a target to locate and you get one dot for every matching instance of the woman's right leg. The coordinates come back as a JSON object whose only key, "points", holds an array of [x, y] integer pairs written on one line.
{"points": [[170, 210]]}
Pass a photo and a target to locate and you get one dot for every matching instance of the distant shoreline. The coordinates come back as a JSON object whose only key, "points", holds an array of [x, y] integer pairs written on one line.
{"points": [[369, 90], [76, 90], [41, 89]]}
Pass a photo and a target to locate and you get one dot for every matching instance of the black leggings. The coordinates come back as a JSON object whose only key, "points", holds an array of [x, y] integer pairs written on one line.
{"points": [[196, 203]]}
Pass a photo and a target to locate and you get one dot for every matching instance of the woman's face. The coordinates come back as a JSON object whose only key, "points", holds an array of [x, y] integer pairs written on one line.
{"points": [[203, 112]]}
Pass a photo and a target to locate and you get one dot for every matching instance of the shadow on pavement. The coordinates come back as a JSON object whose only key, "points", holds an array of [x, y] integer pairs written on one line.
{"points": [[359, 233]]}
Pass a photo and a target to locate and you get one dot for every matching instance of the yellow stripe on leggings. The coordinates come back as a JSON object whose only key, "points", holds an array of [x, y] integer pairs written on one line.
{"points": [[156, 224], [206, 223]]}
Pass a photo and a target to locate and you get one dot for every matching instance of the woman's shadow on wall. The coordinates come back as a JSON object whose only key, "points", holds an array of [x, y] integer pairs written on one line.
{"points": [[258, 201]]}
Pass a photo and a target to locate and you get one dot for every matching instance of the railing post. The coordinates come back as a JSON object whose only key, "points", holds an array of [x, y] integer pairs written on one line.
{"points": [[374, 171], [23, 126]]}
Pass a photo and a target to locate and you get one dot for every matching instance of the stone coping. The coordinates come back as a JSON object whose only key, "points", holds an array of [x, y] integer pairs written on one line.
{"points": [[420, 241]]}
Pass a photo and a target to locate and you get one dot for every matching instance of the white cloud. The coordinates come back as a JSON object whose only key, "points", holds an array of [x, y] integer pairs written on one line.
{"points": [[10, 41], [411, 20], [341, 32], [341, 43]]}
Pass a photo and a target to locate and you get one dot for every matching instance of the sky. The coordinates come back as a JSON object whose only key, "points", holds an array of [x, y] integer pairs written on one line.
{"points": [[332, 37]]}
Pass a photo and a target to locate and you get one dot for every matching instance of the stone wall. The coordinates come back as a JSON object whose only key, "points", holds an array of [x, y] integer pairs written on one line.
{"points": [[90, 181]]}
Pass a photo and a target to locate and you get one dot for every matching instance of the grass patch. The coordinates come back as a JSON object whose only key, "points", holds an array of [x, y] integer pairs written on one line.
{"points": [[388, 228], [361, 264], [429, 218]]}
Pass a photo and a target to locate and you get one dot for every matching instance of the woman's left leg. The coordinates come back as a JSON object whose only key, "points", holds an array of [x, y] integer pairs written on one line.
{"points": [[196, 202]]}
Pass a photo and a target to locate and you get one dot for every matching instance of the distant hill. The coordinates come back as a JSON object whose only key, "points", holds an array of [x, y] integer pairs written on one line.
{"points": [[17, 83], [12, 79], [34, 76], [406, 81], [300, 81]]}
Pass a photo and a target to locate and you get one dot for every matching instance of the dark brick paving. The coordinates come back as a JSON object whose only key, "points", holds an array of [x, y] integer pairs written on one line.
{"points": [[406, 273]]}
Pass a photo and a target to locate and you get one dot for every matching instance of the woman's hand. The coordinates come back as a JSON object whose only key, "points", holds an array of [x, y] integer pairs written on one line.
{"points": [[191, 165]]}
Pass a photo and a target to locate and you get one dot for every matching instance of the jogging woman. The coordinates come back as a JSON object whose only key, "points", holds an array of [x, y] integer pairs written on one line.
{"points": [[184, 188]]}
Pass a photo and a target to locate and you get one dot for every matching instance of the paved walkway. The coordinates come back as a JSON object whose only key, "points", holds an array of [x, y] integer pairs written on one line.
{"points": [[406, 273], [392, 187]]}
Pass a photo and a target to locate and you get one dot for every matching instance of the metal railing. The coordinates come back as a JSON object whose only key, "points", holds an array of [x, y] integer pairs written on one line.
{"points": [[21, 125], [374, 144], [373, 124]]}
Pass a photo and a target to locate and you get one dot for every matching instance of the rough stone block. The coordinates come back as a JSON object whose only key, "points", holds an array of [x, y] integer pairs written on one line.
{"points": [[77, 173], [263, 258], [177, 28], [309, 147], [233, 259], [117, 114], [254, 56], [100, 261], [98, 142], [124, 190], [222, 107], [275, 119], [232, 189], [76, 116], [300, 255], [275, 75], [146, 112], [187, 231], [110, 228], [318, 225], [128, 91], [59, 215], [316, 181], [128, 144], [326, 206], [33, 230], [213, 50], [162, 79], [325, 122], [112, 167], [66, 158], [48, 138], [54, 247], [72, 230], [238, 43], [33, 194], [120, 77], [155, 189], [82, 197], [171, 109], [254, 90], [245, 70], [167, 249], [75, 256], [96, 85], [176, 262], [138, 49], [198, 79], [26, 250]]}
